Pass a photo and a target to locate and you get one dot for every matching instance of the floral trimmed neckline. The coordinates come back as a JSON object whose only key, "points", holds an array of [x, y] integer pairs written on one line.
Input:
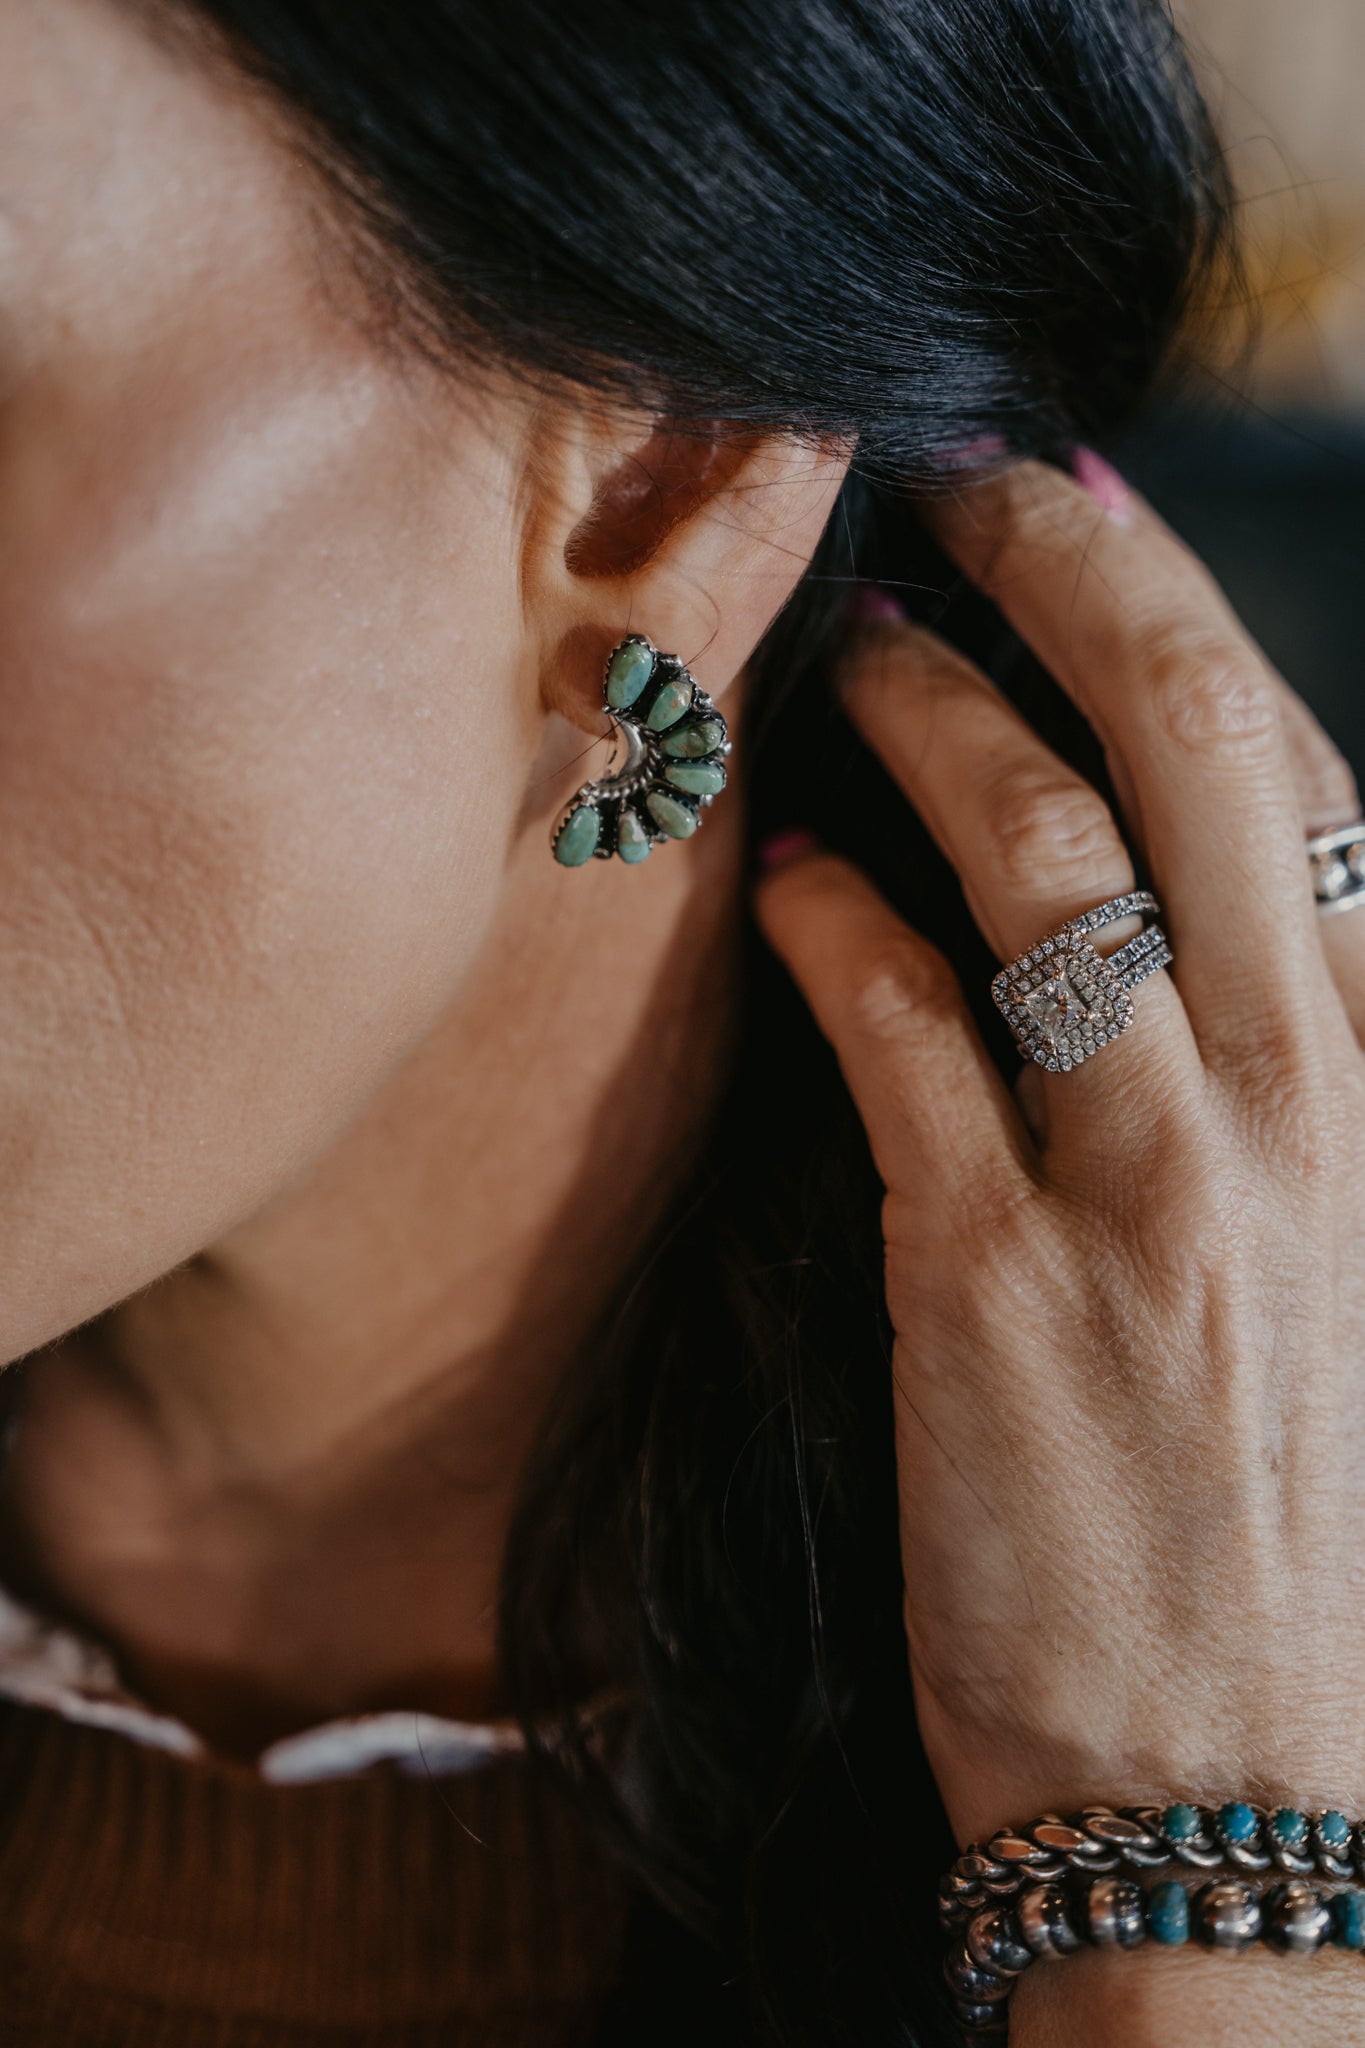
{"points": [[45, 1664]]}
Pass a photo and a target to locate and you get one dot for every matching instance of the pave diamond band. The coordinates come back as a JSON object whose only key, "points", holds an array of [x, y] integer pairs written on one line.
{"points": [[1064, 1000], [1337, 862], [1141, 956]]}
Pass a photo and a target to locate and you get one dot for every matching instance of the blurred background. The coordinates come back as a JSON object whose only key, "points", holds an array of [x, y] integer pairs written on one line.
{"points": [[1260, 462]]}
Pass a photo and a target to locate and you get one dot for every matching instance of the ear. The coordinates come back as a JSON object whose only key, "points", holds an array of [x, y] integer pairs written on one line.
{"points": [[694, 535]]}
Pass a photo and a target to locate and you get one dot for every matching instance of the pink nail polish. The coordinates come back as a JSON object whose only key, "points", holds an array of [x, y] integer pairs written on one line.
{"points": [[977, 454], [1104, 484], [779, 849], [870, 605]]}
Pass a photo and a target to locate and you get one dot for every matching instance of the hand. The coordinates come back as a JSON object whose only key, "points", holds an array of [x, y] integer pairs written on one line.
{"points": [[1129, 1300]]}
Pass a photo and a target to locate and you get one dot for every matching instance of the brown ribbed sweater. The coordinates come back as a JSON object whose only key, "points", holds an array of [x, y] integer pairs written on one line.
{"points": [[151, 1902]]}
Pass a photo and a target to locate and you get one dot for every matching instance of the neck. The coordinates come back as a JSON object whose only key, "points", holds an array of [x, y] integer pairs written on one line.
{"points": [[279, 1482]]}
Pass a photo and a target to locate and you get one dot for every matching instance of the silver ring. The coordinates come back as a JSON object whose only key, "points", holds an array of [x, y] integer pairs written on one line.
{"points": [[1337, 861], [1064, 1000]]}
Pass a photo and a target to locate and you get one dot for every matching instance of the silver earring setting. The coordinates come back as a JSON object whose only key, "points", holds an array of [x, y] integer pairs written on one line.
{"points": [[674, 768]]}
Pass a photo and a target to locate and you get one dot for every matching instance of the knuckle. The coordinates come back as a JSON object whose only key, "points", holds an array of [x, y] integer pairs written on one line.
{"points": [[1262, 1070], [1308, 1149], [1208, 694], [1288, 1099], [903, 991], [987, 1250], [1038, 821], [999, 1228]]}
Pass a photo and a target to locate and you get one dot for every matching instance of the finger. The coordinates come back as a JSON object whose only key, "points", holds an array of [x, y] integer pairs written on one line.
{"points": [[1324, 783], [1134, 629], [1033, 842], [936, 1112], [1328, 798]]}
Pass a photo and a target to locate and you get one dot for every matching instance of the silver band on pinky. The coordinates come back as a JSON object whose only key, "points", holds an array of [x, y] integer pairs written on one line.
{"points": [[1337, 861]]}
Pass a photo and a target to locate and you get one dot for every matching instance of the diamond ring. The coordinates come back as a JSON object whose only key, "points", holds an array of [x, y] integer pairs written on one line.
{"points": [[1337, 860], [1064, 1000]]}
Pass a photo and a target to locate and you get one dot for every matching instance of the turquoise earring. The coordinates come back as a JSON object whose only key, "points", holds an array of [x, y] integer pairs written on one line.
{"points": [[676, 742]]}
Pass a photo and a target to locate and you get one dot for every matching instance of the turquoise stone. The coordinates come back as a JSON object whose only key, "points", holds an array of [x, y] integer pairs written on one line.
{"points": [[1348, 1919], [668, 707], [701, 737], [671, 814], [632, 840], [1180, 1823], [577, 841], [1236, 1821], [702, 778], [1289, 1827], [1335, 1829], [1168, 1913], [629, 670]]}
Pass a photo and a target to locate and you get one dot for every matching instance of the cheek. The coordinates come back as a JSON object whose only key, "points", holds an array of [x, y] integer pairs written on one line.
{"points": [[258, 769]]}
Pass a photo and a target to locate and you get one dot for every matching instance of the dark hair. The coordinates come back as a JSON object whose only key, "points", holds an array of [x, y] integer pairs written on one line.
{"points": [[930, 226]]}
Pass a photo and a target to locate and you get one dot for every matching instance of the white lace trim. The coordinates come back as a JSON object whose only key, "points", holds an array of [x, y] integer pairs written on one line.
{"points": [[43, 1664]]}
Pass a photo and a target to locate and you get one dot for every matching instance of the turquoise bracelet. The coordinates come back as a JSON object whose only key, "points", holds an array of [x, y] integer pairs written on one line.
{"points": [[1101, 1839], [1285, 1878]]}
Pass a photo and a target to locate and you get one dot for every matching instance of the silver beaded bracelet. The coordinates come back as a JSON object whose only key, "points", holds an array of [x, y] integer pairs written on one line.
{"points": [[1101, 1839], [1047, 1890]]}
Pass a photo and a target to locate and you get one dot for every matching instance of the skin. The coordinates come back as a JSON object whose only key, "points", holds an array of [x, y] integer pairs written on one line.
{"points": [[1129, 1300], [322, 1147], [303, 654]]}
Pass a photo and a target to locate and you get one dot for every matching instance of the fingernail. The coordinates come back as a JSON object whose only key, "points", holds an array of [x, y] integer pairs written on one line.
{"points": [[976, 454], [1104, 484], [779, 849], [870, 605]]}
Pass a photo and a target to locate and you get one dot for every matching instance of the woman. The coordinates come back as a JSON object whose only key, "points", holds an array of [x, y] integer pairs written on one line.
{"points": [[463, 1429]]}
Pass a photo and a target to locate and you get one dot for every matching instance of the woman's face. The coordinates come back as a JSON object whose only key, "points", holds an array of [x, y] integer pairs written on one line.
{"points": [[264, 730]]}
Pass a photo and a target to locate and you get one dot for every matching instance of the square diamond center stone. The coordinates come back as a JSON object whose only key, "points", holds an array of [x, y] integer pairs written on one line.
{"points": [[1063, 1001], [1058, 1006]]}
